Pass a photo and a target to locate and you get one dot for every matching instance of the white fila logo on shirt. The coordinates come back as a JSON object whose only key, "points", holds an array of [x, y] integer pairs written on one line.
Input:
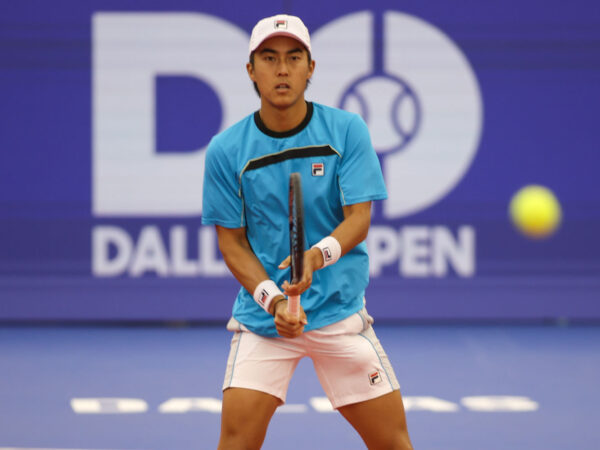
{"points": [[318, 169]]}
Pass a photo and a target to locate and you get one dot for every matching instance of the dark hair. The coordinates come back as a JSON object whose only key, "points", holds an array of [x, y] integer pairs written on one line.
{"points": [[252, 64]]}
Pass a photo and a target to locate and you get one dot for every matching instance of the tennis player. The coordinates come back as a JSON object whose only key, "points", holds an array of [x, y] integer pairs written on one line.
{"points": [[246, 197]]}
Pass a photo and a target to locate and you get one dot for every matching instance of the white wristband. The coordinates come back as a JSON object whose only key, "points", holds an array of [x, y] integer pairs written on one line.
{"points": [[265, 292], [330, 249]]}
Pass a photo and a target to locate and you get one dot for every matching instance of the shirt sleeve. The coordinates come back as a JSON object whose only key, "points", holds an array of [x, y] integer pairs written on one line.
{"points": [[221, 198], [360, 176]]}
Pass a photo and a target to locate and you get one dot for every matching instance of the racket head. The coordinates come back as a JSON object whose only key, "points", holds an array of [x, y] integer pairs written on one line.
{"points": [[296, 219]]}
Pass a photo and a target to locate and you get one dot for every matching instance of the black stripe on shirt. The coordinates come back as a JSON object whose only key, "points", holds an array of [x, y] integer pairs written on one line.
{"points": [[292, 153]]}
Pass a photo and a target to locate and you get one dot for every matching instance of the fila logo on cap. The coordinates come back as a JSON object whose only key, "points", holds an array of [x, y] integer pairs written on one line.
{"points": [[318, 169], [374, 377], [281, 24]]}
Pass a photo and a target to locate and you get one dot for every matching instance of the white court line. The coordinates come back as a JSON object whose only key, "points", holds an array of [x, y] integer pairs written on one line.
{"points": [[290, 408]]}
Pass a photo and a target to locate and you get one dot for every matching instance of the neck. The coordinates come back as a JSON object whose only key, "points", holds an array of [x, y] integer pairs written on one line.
{"points": [[283, 119]]}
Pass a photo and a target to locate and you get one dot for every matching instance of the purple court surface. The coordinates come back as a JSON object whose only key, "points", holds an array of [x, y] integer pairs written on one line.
{"points": [[466, 387]]}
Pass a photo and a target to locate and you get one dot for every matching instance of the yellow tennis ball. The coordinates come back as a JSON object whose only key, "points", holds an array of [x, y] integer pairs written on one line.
{"points": [[535, 211]]}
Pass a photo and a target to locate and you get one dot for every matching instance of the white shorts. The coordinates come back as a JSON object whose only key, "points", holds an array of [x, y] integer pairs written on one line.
{"points": [[348, 358]]}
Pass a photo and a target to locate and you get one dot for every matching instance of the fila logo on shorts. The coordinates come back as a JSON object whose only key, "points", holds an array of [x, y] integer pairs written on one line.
{"points": [[374, 377], [318, 169], [281, 24]]}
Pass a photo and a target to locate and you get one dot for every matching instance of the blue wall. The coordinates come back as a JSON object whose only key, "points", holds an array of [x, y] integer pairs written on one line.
{"points": [[105, 113]]}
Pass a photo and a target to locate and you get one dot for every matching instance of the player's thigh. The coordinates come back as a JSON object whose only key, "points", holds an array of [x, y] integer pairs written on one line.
{"points": [[261, 364], [245, 417], [256, 380], [381, 421], [351, 363]]}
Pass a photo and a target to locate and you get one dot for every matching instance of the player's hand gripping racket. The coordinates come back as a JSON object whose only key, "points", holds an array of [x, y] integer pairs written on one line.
{"points": [[296, 214]]}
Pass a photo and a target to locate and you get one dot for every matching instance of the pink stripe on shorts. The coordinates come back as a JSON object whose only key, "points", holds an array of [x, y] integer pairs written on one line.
{"points": [[348, 358]]}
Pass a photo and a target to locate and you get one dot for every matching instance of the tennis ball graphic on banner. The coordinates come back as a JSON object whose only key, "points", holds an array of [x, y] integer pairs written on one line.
{"points": [[535, 211], [393, 119]]}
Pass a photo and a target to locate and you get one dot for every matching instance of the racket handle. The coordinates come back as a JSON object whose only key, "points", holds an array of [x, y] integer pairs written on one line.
{"points": [[294, 305]]}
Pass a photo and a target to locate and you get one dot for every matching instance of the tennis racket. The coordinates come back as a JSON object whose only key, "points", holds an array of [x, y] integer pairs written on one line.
{"points": [[296, 216]]}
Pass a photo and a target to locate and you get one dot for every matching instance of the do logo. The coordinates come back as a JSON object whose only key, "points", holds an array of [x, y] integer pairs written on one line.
{"points": [[416, 91]]}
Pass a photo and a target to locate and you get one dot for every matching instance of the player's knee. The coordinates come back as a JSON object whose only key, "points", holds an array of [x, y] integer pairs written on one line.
{"points": [[242, 434], [404, 443], [400, 440], [392, 439], [235, 439]]}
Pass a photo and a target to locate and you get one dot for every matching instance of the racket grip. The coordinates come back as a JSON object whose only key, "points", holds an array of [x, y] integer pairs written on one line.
{"points": [[294, 305]]}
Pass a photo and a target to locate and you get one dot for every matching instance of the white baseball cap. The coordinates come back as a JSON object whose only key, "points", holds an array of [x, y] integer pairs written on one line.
{"points": [[279, 25]]}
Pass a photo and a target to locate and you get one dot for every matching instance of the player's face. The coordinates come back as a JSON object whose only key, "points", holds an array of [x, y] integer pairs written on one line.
{"points": [[281, 71]]}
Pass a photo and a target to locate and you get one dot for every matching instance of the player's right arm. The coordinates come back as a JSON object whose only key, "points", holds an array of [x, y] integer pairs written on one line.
{"points": [[248, 270]]}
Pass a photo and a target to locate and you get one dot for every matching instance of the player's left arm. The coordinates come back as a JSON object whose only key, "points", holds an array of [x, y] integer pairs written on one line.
{"points": [[360, 181], [349, 233], [354, 228]]}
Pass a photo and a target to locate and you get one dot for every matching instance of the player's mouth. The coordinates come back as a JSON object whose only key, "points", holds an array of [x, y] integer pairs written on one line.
{"points": [[282, 87]]}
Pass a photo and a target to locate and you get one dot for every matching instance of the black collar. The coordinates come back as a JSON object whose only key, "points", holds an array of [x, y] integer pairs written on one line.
{"points": [[282, 134]]}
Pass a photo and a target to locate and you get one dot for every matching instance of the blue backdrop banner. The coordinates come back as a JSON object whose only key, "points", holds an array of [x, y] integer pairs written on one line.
{"points": [[107, 108]]}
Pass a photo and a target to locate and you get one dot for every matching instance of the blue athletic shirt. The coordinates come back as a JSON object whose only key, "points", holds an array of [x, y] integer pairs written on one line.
{"points": [[246, 182]]}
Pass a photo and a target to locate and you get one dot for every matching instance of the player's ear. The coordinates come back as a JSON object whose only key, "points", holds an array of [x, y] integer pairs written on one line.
{"points": [[250, 69], [311, 68]]}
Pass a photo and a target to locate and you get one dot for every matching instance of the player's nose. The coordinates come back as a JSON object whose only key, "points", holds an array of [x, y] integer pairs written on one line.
{"points": [[282, 69]]}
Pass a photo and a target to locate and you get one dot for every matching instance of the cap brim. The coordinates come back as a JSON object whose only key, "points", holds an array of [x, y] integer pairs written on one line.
{"points": [[281, 33]]}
